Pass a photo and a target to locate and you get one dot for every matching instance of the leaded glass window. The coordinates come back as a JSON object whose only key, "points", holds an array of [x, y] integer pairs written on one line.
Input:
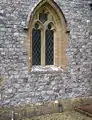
{"points": [[36, 45], [49, 42], [47, 35], [43, 16], [43, 39]]}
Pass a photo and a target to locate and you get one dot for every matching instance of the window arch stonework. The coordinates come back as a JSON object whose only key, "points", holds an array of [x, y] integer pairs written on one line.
{"points": [[44, 14]]}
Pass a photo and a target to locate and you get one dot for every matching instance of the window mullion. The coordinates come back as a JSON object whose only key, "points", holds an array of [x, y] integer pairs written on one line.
{"points": [[43, 47]]}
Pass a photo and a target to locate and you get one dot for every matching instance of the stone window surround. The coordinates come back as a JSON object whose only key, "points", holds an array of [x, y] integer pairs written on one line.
{"points": [[60, 36], [43, 27]]}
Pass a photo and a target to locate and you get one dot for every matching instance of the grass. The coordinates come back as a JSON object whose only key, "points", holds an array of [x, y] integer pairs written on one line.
{"points": [[71, 115]]}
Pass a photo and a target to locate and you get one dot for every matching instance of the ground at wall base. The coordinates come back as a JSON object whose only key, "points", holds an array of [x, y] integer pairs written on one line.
{"points": [[69, 115]]}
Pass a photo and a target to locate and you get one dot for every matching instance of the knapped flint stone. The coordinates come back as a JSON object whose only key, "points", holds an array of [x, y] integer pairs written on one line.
{"points": [[44, 83]]}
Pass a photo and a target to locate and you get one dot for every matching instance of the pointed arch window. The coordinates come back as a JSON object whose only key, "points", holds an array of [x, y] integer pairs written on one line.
{"points": [[43, 39], [47, 35], [49, 45], [36, 45]]}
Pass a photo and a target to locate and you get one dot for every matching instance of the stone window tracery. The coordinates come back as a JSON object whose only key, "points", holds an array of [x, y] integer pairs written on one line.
{"points": [[46, 39], [47, 36]]}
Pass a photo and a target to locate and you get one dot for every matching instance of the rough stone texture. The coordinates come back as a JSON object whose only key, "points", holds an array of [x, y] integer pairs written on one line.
{"points": [[21, 87], [29, 111]]}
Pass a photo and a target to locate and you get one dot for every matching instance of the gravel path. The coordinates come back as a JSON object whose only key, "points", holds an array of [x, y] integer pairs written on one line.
{"points": [[63, 116]]}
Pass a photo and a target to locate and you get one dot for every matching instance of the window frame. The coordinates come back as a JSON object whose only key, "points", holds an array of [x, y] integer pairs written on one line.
{"points": [[43, 27], [60, 35]]}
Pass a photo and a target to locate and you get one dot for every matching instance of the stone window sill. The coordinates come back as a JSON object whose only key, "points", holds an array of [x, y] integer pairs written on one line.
{"points": [[46, 69]]}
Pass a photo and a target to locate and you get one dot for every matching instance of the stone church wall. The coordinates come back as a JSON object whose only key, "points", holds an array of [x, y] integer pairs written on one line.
{"points": [[17, 85]]}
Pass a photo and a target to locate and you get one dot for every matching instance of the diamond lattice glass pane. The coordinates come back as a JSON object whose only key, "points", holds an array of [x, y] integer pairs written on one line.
{"points": [[49, 47], [36, 47], [43, 17]]}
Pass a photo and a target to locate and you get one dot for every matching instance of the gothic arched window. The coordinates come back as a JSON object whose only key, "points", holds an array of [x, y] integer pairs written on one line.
{"points": [[43, 38], [47, 35], [36, 45], [49, 45]]}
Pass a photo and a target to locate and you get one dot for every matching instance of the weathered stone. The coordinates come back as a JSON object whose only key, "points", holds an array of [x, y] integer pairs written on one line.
{"points": [[44, 83]]}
